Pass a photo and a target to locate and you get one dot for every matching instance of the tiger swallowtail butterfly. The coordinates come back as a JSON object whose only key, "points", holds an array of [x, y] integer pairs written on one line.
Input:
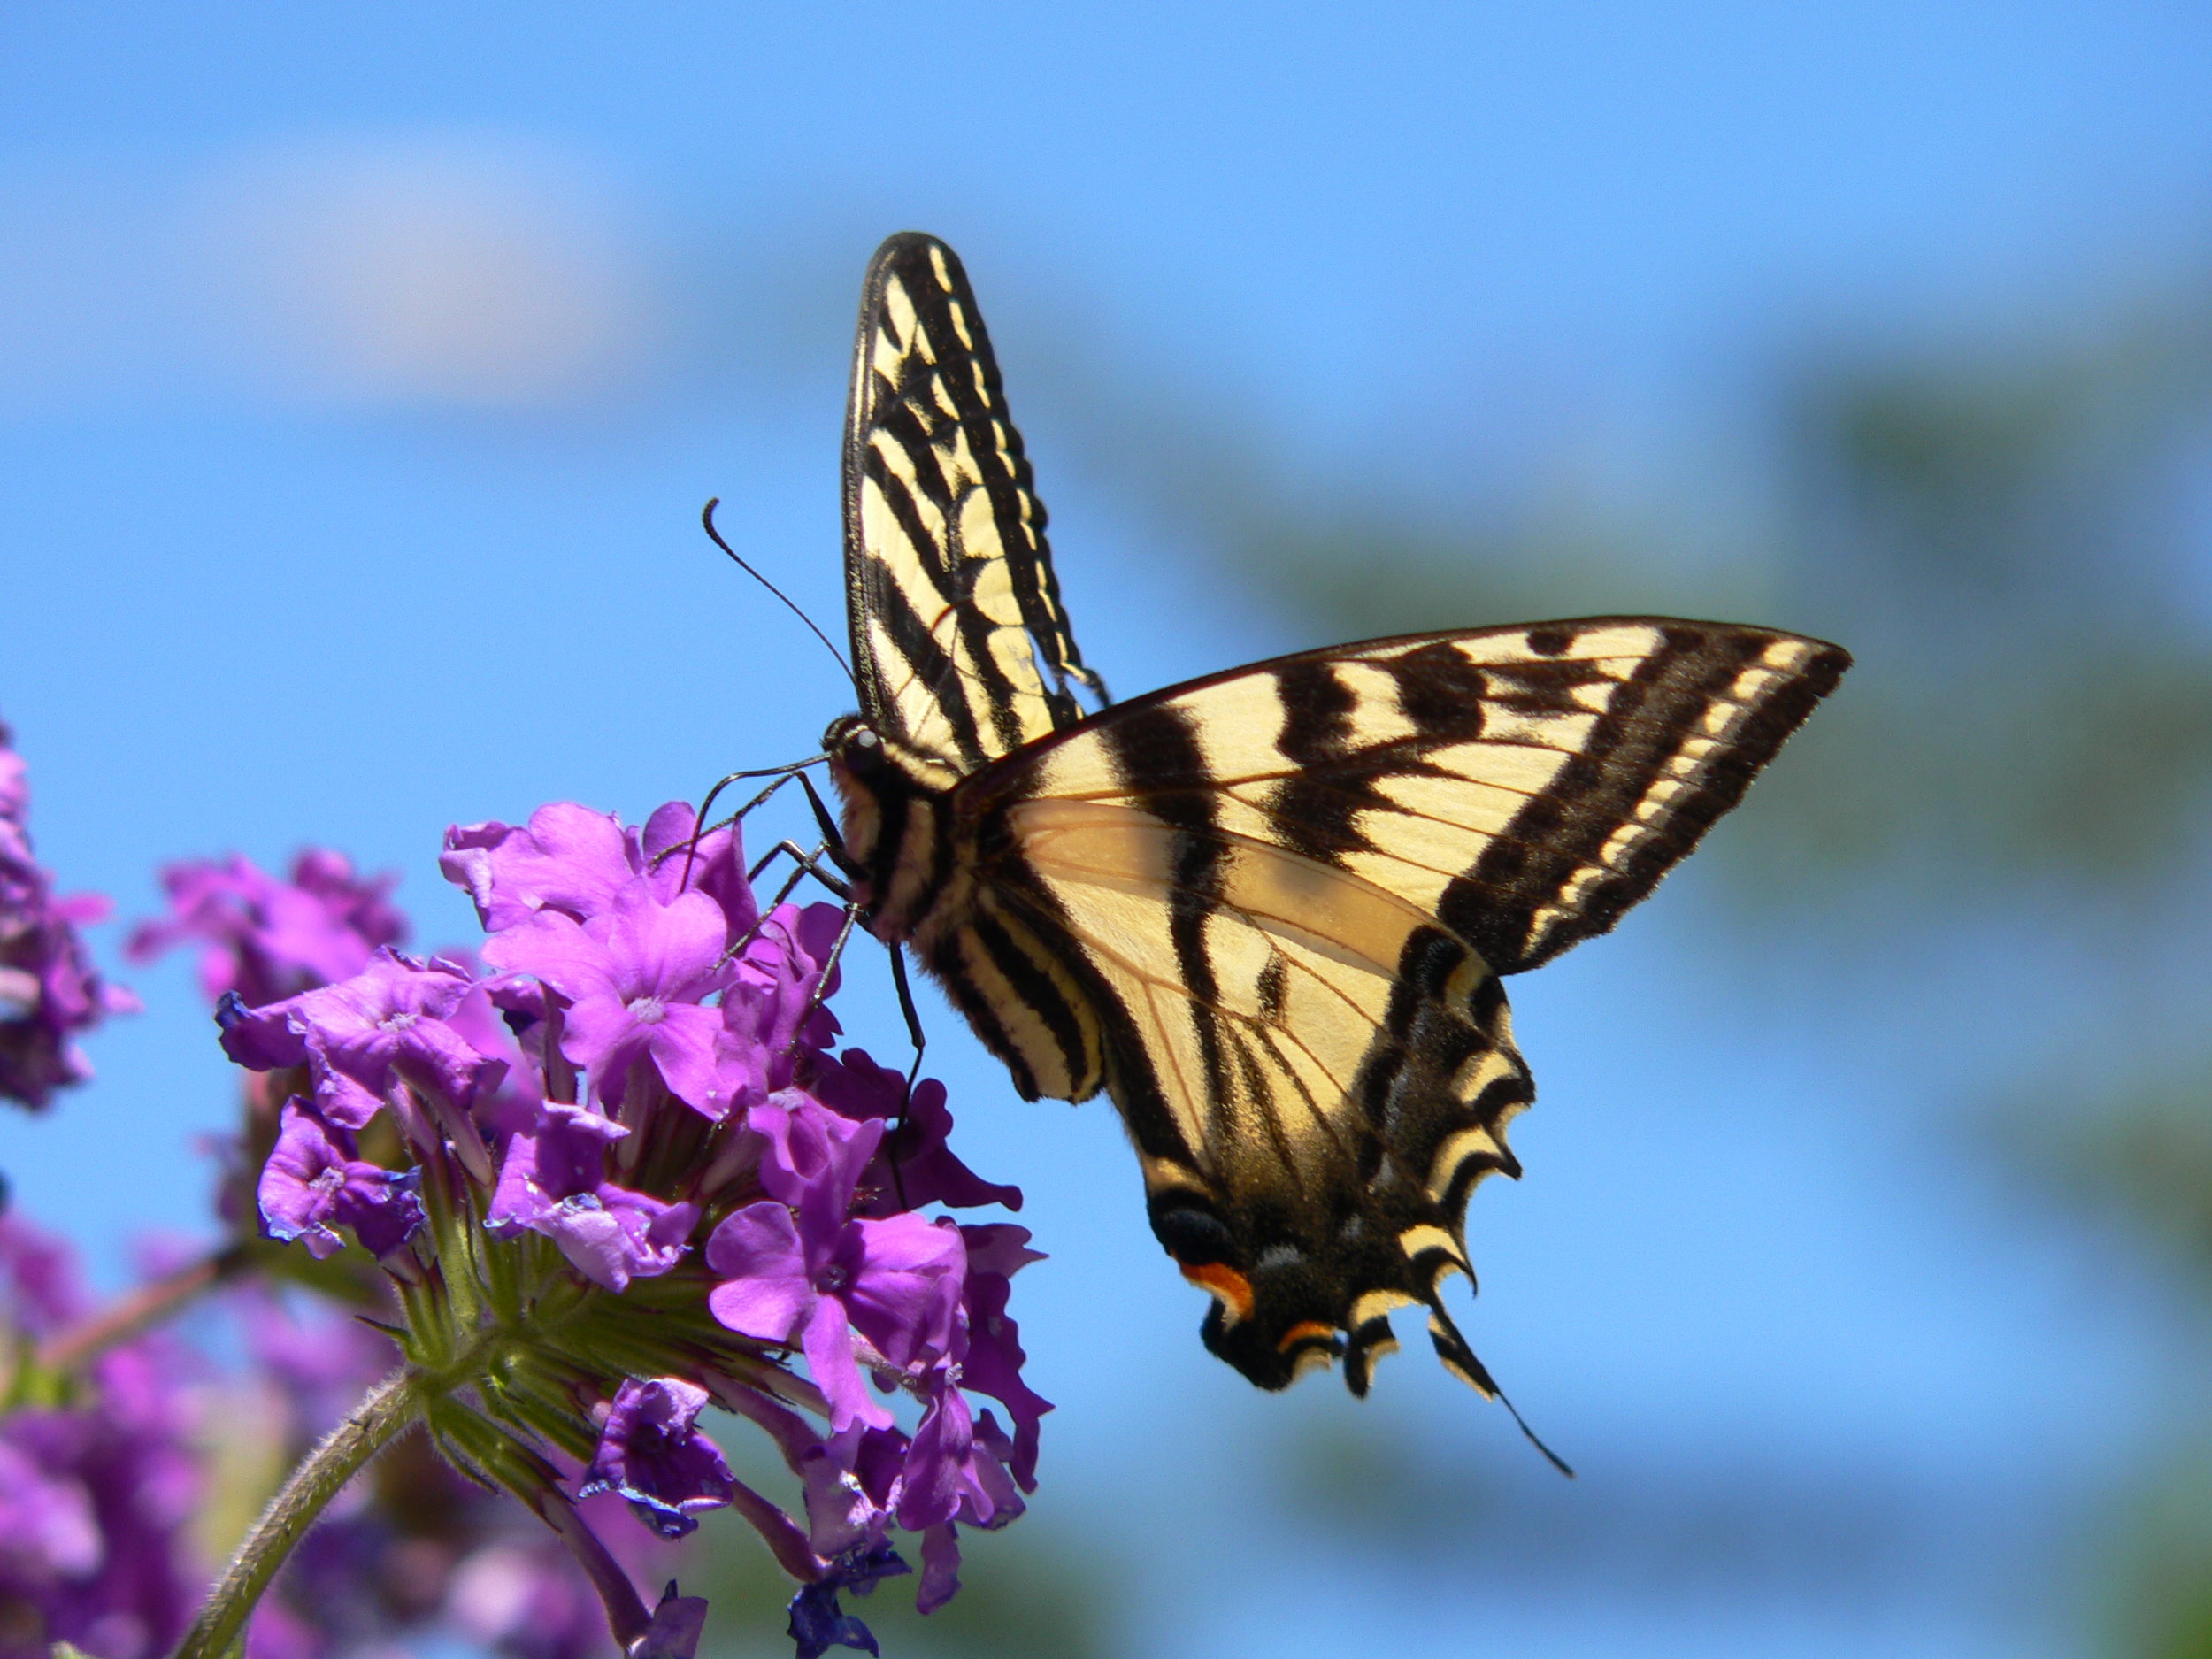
{"points": [[1266, 913]]}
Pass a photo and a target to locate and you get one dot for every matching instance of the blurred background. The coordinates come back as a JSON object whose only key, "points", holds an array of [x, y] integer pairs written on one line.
{"points": [[363, 372]]}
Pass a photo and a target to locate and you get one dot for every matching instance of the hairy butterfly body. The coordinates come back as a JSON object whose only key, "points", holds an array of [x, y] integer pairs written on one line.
{"points": [[1266, 913]]}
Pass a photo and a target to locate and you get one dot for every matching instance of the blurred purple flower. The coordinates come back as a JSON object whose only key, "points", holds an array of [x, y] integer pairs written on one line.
{"points": [[653, 1453], [527, 1600], [93, 1498], [313, 1184], [321, 1359], [553, 1181], [276, 1631], [267, 940], [676, 1624], [39, 1292], [48, 989], [15, 782]]}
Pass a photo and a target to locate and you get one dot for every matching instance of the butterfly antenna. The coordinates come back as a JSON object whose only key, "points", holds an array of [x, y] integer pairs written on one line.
{"points": [[706, 519]]}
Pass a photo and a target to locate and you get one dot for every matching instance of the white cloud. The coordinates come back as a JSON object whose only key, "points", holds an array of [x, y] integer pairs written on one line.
{"points": [[466, 271]]}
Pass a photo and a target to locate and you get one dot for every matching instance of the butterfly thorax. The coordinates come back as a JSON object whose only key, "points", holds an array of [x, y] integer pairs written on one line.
{"points": [[931, 871], [895, 825]]}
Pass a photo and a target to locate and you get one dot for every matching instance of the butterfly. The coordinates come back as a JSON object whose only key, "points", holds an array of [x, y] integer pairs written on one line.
{"points": [[1268, 912]]}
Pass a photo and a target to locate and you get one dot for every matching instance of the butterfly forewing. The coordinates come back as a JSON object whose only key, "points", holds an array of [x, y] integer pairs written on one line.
{"points": [[1525, 785], [961, 644]]}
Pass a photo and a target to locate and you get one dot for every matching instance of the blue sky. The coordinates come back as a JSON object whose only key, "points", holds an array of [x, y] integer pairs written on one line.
{"points": [[361, 377]]}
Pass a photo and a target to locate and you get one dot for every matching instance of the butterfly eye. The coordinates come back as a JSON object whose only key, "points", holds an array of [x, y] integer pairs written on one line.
{"points": [[861, 749]]}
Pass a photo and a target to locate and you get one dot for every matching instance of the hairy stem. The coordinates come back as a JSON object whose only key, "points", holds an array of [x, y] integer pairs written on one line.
{"points": [[390, 1407]]}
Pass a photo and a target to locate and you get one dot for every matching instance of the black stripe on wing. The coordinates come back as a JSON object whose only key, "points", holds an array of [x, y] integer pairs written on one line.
{"points": [[1546, 883]]}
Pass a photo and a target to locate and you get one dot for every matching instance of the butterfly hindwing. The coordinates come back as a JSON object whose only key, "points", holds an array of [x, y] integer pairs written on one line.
{"points": [[1314, 1073], [1286, 893], [961, 643]]}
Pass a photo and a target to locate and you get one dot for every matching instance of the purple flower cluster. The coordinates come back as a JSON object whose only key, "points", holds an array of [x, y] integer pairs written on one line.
{"points": [[96, 1480], [639, 1093], [264, 939], [49, 990]]}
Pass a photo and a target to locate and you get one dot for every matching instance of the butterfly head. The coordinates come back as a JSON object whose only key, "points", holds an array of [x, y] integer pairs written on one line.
{"points": [[863, 757]]}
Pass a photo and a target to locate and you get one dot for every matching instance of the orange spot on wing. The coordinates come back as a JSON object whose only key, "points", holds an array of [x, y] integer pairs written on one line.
{"points": [[1306, 1330], [1233, 1290]]}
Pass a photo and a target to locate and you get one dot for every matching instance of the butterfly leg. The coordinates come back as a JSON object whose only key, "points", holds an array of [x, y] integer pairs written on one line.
{"points": [[806, 864], [700, 826], [810, 864], [829, 967]]}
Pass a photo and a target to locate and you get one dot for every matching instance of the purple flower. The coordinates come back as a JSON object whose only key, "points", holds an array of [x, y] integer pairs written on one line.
{"points": [[526, 1601], [634, 976], [992, 1360], [774, 1004], [49, 990], [95, 1499], [814, 1280], [954, 1470], [851, 1483], [818, 1623], [956, 1475], [313, 1184], [929, 1171], [267, 940], [569, 859], [554, 1181], [385, 1024], [574, 861], [511, 1105], [652, 1451], [715, 866], [811, 1158]]}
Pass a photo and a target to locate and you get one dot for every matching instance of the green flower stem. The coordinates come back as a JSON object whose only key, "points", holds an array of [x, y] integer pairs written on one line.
{"points": [[389, 1408]]}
